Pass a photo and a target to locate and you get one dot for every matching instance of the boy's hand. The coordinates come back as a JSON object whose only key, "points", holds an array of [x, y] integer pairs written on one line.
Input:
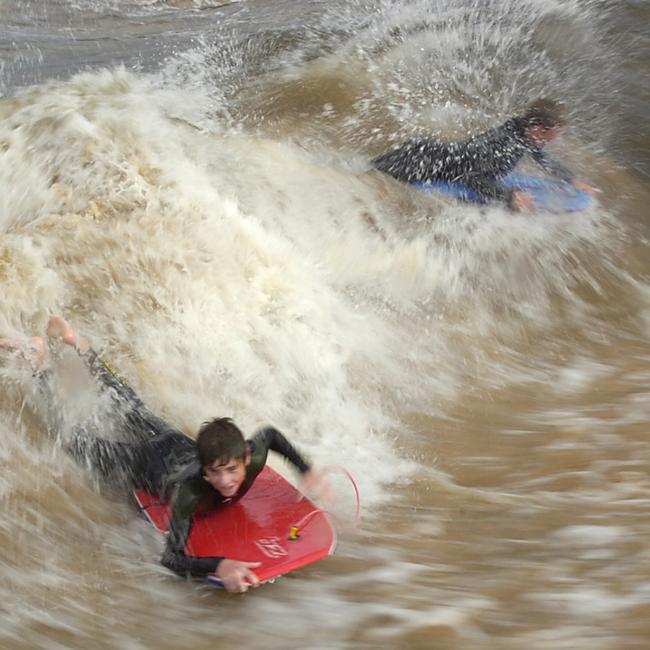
{"points": [[314, 482], [237, 576], [585, 186], [522, 202]]}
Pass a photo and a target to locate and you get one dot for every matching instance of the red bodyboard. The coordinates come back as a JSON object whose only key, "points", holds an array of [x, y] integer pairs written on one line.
{"points": [[255, 528]]}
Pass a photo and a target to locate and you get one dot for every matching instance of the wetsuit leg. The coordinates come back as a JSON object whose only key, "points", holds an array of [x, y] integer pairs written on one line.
{"points": [[417, 161], [145, 464], [139, 421], [156, 449], [488, 187]]}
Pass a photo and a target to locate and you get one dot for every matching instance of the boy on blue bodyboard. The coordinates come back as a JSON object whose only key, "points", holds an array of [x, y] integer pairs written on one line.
{"points": [[481, 162], [217, 468]]}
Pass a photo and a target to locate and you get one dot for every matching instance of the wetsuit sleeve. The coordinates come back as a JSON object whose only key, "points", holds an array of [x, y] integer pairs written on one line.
{"points": [[174, 556], [490, 188], [272, 439], [552, 166]]}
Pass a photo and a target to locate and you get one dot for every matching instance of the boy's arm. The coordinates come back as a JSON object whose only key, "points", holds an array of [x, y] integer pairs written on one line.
{"points": [[488, 187], [273, 439], [235, 575], [174, 556], [552, 166]]}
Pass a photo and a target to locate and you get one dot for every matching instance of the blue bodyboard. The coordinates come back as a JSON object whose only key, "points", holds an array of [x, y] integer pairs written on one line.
{"points": [[548, 194]]}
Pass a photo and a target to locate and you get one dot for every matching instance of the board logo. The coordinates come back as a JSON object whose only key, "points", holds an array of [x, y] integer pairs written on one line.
{"points": [[271, 547]]}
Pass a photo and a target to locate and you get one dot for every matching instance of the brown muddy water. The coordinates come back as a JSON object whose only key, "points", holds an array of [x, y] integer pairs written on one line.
{"points": [[188, 182]]}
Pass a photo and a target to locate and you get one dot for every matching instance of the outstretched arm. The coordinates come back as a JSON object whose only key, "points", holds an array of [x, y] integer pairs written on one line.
{"points": [[558, 170], [273, 439], [313, 481], [552, 166], [487, 187], [490, 188]]}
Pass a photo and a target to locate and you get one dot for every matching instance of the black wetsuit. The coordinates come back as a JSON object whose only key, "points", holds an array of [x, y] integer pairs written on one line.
{"points": [[479, 162], [164, 460], [194, 494]]}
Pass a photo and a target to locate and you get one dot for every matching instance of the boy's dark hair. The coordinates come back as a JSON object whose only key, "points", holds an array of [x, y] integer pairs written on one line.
{"points": [[220, 439], [546, 113]]}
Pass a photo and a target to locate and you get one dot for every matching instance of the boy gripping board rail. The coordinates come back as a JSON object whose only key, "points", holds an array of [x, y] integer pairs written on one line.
{"points": [[547, 194], [264, 527], [195, 480], [273, 523], [476, 169]]}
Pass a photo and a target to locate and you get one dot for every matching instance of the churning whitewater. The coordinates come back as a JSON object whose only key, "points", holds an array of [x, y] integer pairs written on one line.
{"points": [[210, 221]]}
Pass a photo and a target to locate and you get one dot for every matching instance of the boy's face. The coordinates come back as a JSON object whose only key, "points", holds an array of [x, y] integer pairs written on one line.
{"points": [[226, 478], [542, 135]]}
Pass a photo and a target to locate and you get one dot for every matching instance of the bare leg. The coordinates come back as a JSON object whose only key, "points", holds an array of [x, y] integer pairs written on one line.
{"points": [[59, 328], [33, 349]]}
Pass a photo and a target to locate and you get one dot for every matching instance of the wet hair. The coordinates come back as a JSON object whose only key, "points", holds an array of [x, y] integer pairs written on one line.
{"points": [[546, 113], [220, 440]]}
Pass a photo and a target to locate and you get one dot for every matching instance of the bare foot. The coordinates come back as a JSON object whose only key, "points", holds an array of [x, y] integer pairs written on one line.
{"points": [[33, 349], [11, 344], [59, 328]]}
